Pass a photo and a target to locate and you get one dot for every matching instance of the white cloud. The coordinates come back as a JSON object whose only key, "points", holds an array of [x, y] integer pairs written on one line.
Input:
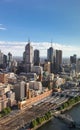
{"points": [[17, 48], [2, 27]]}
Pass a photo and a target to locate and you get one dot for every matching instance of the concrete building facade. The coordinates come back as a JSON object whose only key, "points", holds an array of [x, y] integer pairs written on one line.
{"points": [[20, 90]]}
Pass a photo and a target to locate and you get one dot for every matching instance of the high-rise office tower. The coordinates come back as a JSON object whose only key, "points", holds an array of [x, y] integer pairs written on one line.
{"points": [[58, 59], [51, 58], [28, 57], [9, 60], [4, 60], [9, 56], [73, 59], [78, 66], [36, 57], [1, 58], [73, 63], [50, 54]]}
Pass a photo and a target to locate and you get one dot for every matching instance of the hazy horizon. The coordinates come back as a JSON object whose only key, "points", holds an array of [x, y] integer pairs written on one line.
{"points": [[17, 48]]}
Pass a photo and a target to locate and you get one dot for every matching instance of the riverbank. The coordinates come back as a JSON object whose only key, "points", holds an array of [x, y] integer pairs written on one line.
{"points": [[39, 121], [42, 124], [59, 112], [71, 103], [68, 108], [57, 124]]}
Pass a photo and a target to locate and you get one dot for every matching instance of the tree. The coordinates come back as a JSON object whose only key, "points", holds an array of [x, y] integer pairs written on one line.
{"points": [[33, 123], [65, 105], [8, 109], [4, 111], [39, 120]]}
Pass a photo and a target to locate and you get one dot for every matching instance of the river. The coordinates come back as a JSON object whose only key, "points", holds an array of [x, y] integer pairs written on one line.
{"points": [[56, 124]]}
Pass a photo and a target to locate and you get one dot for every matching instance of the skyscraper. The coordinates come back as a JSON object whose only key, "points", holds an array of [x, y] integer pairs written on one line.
{"points": [[9, 60], [9, 56], [51, 58], [1, 57], [73, 59], [58, 59], [78, 66], [50, 54], [28, 57], [36, 57], [4, 60], [73, 63]]}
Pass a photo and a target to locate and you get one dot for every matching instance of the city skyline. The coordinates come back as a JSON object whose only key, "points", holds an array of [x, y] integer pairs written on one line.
{"points": [[41, 20], [17, 48]]}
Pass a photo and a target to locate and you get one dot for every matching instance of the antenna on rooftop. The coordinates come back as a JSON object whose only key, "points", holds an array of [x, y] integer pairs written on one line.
{"points": [[28, 40], [51, 43]]}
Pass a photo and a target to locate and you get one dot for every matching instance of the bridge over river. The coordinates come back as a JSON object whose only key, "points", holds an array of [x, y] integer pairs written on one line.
{"points": [[68, 120]]}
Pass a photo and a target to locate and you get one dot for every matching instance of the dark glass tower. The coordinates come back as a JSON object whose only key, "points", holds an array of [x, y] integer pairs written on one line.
{"points": [[36, 57]]}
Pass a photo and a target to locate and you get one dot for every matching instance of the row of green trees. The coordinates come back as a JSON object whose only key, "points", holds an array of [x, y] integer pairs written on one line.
{"points": [[70, 102], [5, 111], [40, 120]]}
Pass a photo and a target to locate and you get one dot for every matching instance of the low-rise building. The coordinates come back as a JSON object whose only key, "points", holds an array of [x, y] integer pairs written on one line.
{"points": [[11, 98], [35, 85], [4, 78], [3, 99], [47, 66], [37, 69], [51, 77], [30, 101], [31, 76], [20, 90], [59, 81]]}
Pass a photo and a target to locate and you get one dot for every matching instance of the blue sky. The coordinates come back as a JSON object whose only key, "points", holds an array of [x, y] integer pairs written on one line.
{"points": [[41, 20]]}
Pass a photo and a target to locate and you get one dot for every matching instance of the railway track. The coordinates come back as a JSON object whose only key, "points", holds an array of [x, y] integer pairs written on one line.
{"points": [[17, 120]]}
